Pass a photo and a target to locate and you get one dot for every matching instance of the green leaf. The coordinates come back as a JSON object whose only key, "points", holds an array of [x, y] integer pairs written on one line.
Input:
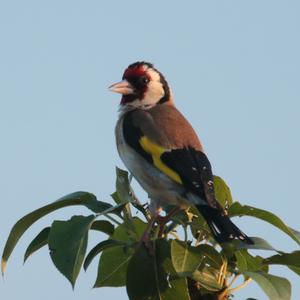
{"points": [[103, 226], [288, 259], [77, 198], [123, 186], [114, 261], [187, 259], [112, 267], [152, 277], [96, 206], [229, 249], [207, 278], [199, 227], [259, 244], [237, 209], [295, 232], [117, 209], [212, 257], [202, 263], [124, 193], [291, 260], [37, 243], [246, 262], [277, 288], [99, 248], [116, 198], [295, 269], [222, 191], [68, 243]]}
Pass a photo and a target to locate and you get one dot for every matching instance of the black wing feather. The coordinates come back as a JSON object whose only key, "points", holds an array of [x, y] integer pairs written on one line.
{"points": [[195, 172], [132, 135]]}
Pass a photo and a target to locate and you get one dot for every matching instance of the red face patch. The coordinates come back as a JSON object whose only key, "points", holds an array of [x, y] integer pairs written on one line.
{"points": [[135, 72], [138, 78]]}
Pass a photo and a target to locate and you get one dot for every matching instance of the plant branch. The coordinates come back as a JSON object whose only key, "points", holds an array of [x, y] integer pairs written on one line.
{"points": [[233, 280], [222, 274], [239, 287], [138, 205]]}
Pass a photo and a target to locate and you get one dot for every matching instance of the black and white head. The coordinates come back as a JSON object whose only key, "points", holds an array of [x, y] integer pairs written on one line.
{"points": [[142, 86]]}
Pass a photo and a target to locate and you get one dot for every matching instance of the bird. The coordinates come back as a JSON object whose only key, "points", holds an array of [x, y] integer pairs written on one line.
{"points": [[163, 153]]}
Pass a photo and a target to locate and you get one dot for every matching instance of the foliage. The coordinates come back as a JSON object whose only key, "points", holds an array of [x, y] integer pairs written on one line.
{"points": [[168, 266]]}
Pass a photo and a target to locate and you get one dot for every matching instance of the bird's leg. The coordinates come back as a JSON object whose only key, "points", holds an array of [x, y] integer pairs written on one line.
{"points": [[162, 221], [146, 235]]}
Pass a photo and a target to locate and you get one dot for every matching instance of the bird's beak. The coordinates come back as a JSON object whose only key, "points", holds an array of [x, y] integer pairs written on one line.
{"points": [[123, 87]]}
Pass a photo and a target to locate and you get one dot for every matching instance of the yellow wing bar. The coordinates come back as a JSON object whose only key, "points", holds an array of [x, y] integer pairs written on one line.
{"points": [[156, 152]]}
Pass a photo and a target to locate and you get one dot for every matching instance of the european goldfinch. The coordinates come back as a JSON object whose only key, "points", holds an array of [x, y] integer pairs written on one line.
{"points": [[161, 150]]}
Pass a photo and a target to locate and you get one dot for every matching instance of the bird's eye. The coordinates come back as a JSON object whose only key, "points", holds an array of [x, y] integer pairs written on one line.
{"points": [[144, 79]]}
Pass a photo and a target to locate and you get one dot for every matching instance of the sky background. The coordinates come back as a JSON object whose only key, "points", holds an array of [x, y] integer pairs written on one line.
{"points": [[234, 70]]}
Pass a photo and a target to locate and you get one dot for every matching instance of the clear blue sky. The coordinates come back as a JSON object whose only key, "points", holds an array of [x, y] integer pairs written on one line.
{"points": [[234, 70]]}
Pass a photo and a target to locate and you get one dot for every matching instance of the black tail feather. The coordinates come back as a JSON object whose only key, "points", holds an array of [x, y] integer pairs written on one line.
{"points": [[223, 229]]}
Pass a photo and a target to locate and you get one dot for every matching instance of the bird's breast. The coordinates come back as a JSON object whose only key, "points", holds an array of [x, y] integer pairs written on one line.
{"points": [[158, 186]]}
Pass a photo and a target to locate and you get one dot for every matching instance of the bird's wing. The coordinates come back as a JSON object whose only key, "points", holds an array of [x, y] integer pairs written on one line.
{"points": [[186, 165]]}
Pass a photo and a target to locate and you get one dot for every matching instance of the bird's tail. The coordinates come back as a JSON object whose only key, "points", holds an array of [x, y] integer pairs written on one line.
{"points": [[223, 229]]}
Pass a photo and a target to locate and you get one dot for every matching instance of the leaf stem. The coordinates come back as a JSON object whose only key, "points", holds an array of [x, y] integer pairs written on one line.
{"points": [[222, 274], [156, 232], [112, 219], [239, 287], [233, 280], [185, 232], [175, 235], [223, 279], [138, 205]]}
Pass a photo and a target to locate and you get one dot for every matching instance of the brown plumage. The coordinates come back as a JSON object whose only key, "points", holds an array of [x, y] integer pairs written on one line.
{"points": [[176, 128]]}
